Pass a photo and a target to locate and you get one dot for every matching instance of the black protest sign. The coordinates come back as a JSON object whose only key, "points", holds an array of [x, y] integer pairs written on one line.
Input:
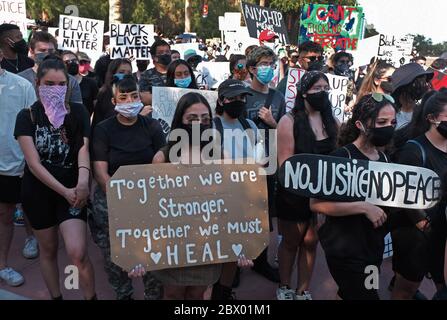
{"points": [[131, 41], [80, 34], [259, 18], [347, 180], [169, 216]]}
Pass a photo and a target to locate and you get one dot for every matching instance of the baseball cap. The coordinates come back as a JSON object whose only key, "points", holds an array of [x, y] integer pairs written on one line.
{"points": [[231, 88], [407, 73], [267, 35], [191, 53]]}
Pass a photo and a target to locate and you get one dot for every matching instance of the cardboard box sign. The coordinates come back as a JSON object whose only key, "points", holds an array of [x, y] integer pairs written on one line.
{"points": [[169, 216], [346, 180]]}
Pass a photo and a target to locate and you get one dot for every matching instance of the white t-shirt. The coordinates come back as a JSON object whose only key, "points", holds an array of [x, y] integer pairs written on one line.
{"points": [[16, 93]]}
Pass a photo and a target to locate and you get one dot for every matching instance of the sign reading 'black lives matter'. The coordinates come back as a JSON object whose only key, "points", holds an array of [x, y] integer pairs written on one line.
{"points": [[342, 179], [169, 216], [131, 40], [259, 18]]}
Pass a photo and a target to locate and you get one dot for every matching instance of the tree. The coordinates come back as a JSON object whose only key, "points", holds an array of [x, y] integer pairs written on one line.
{"points": [[188, 15], [115, 11]]}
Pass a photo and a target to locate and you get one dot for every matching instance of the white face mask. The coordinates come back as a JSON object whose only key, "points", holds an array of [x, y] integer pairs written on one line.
{"points": [[270, 45], [129, 110]]}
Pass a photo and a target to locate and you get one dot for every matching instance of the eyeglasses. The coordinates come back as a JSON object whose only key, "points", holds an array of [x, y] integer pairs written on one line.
{"points": [[266, 64], [195, 118], [71, 61], [378, 97], [83, 62], [313, 58], [319, 89]]}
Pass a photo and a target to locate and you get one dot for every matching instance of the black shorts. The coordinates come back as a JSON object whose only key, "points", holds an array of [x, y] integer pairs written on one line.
{"points": [[417, 253], [44, 207], [293, 208], [351, 283], [10, 189]]}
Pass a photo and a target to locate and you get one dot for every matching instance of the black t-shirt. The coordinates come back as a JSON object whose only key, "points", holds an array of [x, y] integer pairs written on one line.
{"points": [[55, 146], [104, 108], [121, 145], [436, 160], [17, 65], [352, 240], [89, 92]]}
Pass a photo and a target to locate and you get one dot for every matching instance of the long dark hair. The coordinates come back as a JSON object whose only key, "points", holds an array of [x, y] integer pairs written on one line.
{"points": [[183, 104], [111, 70], [170, 75], [73, 125], [302, 131], [366, 110]]}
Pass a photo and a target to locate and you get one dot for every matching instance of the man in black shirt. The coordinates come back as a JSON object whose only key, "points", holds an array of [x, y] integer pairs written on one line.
{"points": [[14, 49], [155, 77]]}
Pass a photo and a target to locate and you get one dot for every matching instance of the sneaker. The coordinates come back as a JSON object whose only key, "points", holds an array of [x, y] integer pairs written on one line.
{"points": [[267, 271], [11, 277], [31, 248], [305, 296], [285, 293], [19, 219]]}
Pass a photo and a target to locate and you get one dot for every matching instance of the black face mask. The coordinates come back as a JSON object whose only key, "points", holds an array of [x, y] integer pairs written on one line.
{"points": [[142, 66], [234, 109], [20, 47], [188, 129], [442, 129], [418, 88], [73, 68], [164, 59], [318, 101], [386, 86], [315, 66], [380, 137], [342, 70]]}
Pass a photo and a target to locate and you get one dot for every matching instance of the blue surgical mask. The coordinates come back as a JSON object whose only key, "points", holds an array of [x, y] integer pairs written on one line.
{"points": [[265, 74], [183, 83], [120, 76], [129, 110]]}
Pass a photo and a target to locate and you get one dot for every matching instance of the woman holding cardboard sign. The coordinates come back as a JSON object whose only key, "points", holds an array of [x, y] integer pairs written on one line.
{"points": [[352, 235], [309, 128], [125, 139]]}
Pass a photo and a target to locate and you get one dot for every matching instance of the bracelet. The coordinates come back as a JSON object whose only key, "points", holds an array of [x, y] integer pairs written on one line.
{"points": [[84, 168]]}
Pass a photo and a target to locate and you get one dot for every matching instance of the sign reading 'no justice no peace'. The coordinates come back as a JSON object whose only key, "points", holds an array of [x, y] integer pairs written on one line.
{"points": [[169, 216]]}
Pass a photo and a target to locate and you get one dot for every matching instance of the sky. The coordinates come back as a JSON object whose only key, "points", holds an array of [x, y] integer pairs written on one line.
{"points": [[399, 17]]}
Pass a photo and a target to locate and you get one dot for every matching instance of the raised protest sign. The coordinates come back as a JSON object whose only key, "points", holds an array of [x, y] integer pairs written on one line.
{"points": [[169, 216], [366, 50], [14, 12], [332, 26], [80, 34], [294, 76], [164, 102], [239, 40], [232, 21], [339, 90], [395, 50], [259, 18], [182, 47], [347, 180], [216, 71], [131, 40]]}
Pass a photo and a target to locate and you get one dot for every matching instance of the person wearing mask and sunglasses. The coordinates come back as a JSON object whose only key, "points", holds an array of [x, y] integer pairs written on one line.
{"points": [[15, 49], [85, 67], [352, 235]]}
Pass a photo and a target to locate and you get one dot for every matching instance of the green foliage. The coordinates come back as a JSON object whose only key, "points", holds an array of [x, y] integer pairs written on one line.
{"points": [[425, 46]]}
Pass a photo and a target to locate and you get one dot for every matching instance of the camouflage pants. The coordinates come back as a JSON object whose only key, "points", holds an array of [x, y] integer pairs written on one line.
{"points": [[99, 227]]}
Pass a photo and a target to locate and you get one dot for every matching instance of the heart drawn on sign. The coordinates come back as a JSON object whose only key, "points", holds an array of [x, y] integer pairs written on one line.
{"points": [[156, 257], [237, 248]]}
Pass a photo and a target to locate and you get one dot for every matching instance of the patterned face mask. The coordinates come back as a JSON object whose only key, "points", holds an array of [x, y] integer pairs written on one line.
{"points": [[53, 101]]}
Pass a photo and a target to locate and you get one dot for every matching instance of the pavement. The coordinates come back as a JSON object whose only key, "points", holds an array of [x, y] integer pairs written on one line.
{"points": [[252, 286]]}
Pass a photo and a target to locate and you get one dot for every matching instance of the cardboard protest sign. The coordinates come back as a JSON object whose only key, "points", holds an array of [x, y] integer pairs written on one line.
{"points": [[259, 18], [339, 90], [232, 21], [216, 71], [169, 216], [239, 40], [293, 78], [80, 34], [14, 12], [395, 50], [131, 40], [346, 180], [165, 99], [182, 47], [332, 26]]}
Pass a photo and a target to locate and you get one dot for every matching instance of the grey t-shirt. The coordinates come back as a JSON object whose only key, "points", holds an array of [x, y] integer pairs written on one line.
{"points": [[237, 143], [15, 94], [258, 100], [403, 118], [74, 89]]}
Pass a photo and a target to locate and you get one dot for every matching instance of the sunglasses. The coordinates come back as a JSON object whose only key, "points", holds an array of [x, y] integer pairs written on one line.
{"points": [[313, 58], [378, 97], [84, 62]]}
